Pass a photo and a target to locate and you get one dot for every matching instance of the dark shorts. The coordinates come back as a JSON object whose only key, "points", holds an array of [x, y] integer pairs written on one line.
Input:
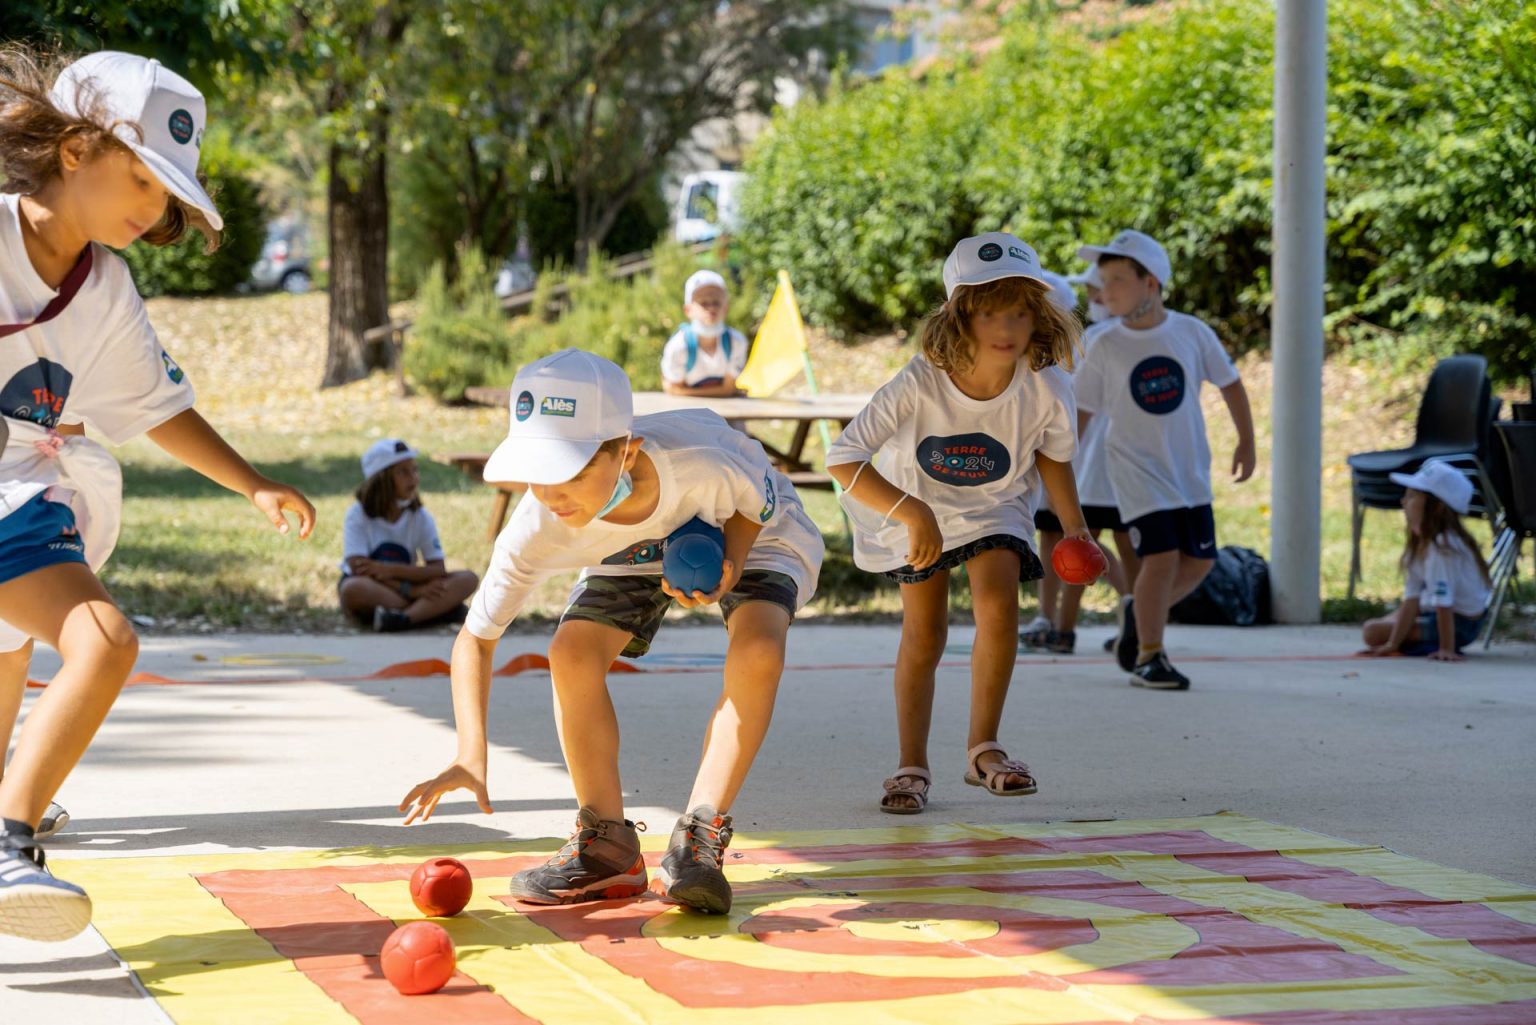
{"points": [[1467, 630], [1029, 562], [41, 533], [1191, 531], [636, 604], [1098, 517]]}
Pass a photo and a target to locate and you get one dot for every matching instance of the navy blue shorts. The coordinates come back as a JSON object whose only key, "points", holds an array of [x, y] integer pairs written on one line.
{"points": [[41, 533], [1467, 630], [1097, 517], [1191, 531]]}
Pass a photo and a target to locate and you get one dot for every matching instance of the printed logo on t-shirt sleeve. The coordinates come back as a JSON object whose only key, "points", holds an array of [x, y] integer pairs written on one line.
{"points": [[770, 499], [171, 369], [964, 460]]}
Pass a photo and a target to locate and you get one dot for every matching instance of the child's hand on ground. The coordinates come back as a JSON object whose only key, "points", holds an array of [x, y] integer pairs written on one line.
{"points": [[275, 499], [456, 777], [925, 541], [1244, 459], [1445, 656], [729, 576], [1380, 650]]}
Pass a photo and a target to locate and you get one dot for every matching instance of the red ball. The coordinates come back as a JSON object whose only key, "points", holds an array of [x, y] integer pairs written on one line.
{"points": [[441, 887], [1078, 561], [418, 958]]}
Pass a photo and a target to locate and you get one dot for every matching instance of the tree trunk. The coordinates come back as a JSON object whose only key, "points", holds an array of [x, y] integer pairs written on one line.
{"points": [[359, 243]]}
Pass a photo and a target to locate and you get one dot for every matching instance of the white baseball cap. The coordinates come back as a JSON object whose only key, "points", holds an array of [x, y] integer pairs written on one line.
{"points": [[1089, 276], [563, 407], [1144, 249], [990, 257], [702, 279], [167, 108], [384, 453], [1061, 291], [1441, 479]]}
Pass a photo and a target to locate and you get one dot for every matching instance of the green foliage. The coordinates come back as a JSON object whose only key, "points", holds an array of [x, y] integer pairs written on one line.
{"points": [[186, 268], [627, 321], [460, 338], [1165, 124]]}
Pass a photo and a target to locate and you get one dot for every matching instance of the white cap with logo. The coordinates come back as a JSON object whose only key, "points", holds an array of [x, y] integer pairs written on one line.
{"points": [[167, 108], [1061, 291], [1089, 276], [702, 279], [563, 407], [384, 453], [1144, 249], [1441, 479], [990, 257]]}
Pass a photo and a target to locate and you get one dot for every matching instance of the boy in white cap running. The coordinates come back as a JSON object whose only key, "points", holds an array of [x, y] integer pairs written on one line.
{"points": [[606, 492], [704, 356], [1143, 371], [100, 156]]}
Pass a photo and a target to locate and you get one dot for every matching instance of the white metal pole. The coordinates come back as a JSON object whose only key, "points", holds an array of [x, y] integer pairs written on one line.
{"points": [[1301, 90]]}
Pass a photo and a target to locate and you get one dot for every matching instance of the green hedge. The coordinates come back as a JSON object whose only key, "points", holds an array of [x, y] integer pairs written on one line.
{"points": [[185, 268], [1063, 135], [459, 339]]}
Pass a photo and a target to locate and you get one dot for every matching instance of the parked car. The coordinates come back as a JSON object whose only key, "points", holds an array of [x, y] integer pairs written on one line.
{"points": [[284, 261], [706, 205]]}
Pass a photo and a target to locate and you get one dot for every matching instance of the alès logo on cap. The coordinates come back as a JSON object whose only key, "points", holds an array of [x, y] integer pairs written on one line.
{"points": [[554, 405]]}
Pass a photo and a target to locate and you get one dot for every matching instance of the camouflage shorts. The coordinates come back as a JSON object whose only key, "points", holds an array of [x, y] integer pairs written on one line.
{"points": [[636, 604]]}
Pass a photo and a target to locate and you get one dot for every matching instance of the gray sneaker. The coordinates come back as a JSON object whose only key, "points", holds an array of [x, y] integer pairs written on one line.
{"points": [[690, 873], [601, 861], [33, 904], [54, 819]]}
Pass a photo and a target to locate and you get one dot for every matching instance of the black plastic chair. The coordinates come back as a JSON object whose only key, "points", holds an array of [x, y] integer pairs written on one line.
{"points": [[1455, 415], [1514, 472]]}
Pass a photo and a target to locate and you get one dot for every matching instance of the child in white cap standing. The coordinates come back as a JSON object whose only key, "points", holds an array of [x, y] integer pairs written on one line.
{"points": [[1446, 589], [384, 534], [704, 356], [103, 155], [937, 474], [1143, 372], [607, 490]]}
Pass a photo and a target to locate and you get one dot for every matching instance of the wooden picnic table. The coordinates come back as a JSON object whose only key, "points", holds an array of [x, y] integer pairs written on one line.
{"points": [[802, 410]]}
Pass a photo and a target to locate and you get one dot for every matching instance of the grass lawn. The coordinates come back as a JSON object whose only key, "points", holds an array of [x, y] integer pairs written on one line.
{"points": [[194, 557]]}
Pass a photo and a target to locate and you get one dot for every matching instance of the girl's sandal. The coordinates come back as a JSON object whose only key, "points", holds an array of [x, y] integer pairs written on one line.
{"points": [[995, 780], [906, 793]]}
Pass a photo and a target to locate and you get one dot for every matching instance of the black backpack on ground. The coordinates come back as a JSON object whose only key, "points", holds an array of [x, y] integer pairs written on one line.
{"points": [[1234, 593]]}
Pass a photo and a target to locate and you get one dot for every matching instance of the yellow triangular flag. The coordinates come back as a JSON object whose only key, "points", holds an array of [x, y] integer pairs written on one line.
{"points": [[778, 351]]}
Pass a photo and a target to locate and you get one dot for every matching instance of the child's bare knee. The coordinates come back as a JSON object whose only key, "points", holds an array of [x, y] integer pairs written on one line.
{"points": [[101, 634], [574, 649]]}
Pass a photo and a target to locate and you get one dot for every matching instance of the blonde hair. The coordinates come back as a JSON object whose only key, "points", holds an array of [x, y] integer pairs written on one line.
{"points": [[946, 333], [32, 129]]}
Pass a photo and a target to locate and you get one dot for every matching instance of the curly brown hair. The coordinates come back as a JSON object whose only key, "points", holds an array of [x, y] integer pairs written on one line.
{"points": [[32, 130], [947, 339]]}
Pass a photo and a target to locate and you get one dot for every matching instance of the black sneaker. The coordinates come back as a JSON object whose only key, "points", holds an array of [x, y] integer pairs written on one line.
{"points": [[690, 872], [601, 861], [1157, 673], [1061, 642], [54, 819], [1110, 642], [33, 904], [388, 621], [1127, 644]]}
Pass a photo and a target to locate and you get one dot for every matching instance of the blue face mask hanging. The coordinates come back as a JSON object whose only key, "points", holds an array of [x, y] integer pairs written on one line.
{"points": [[622, 489]]}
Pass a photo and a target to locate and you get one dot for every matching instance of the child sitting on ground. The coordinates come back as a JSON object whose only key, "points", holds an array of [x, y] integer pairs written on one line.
{"points": [[704, 357], [384, 532], [1446, 591]]}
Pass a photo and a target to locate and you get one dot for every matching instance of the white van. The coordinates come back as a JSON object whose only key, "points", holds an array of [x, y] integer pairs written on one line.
{"points": [[707, 205]]}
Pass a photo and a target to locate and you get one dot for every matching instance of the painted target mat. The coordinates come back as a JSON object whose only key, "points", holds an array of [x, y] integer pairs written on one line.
{"points": [[1214, 919]]}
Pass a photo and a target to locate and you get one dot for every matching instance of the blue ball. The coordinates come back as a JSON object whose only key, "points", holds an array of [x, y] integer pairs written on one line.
{"points": [[692, 562]]}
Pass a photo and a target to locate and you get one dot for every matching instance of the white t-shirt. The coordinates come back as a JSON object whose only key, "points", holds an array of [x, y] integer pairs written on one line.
{"points": [[1090, 464], [1446, 576], [97, 363], [1147, 383], [411, 536], [969, 459], [704, 469], [708, 367]]}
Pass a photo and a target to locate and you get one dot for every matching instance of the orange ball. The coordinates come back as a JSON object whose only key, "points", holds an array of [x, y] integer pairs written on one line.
{"points": [[441, 887], [1077, 561], [418, 958]]}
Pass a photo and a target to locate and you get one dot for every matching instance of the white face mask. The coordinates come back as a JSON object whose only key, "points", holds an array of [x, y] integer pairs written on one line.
{"points": [[1097, 312], [707, 330], [405, 503]]}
